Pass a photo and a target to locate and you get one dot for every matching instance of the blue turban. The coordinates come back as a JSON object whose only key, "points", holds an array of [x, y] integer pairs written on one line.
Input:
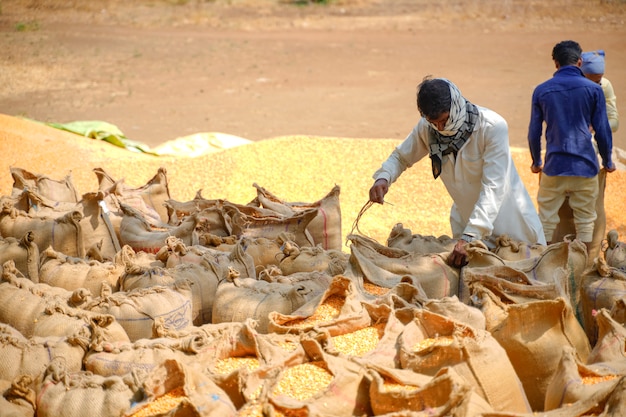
{"points": [[593, 62]]}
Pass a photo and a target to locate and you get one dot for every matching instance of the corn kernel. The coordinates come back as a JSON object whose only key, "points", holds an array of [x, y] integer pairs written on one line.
{"points": [[162, 404], [303, 381], [325, 312], [228, 365], [359, 342], [426, 343]]}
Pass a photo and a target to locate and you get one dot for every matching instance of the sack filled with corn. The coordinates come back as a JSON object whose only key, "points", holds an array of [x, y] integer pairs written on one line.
{"points": [[615, 251], [403, 390], [57, 190], [431, 342], [574, 381], [386, 267], [338, 309], [512, 250], [18, 397]]}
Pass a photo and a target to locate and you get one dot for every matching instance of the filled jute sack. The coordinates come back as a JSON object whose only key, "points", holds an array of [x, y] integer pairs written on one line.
{"points": [[602, 286], [444, 394], [59, 270], [53, 189], [431, 342], [238, 299], [403, 238], [514, 250], [309, 258], [609, 354], [148, 198], [324, 228], [534, 351], [24, 253], [137, 310], [566, 229], [139, 234], [17, 398], [176, 389], [338, 309], [121, 358], [321, 385], [574, 381], [31, 356], [386, 267], [615, 251], [375, 343]]}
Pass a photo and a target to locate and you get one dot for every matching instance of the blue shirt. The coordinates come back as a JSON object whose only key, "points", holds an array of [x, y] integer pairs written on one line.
{"points": [[569, 103]]}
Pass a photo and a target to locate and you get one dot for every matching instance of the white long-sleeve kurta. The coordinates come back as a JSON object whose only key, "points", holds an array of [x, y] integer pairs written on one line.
{"points": [[489, 197]]}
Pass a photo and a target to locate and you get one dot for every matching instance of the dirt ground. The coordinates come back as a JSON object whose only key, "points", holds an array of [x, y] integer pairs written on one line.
{"points": [[162, 69]]}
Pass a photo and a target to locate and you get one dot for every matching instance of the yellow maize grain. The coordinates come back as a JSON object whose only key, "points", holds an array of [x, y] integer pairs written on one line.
{"points": [[431, 341], [325, 312], [391, 385], [303, 381], [375, 289], [251, 409], [590, 380], [359, 342], [162, 404], [228, 365]]}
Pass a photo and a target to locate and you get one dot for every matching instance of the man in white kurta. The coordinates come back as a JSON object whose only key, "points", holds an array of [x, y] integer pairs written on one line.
{"points": [[489, 197]]}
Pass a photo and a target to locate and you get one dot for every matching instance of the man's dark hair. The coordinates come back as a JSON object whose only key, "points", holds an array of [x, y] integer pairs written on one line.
{"points": [[433, 97], [566, 53]]}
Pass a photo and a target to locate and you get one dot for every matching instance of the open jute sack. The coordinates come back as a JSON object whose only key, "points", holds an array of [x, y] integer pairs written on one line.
{"points": [[609, 353], [431, 342], [533, 334], [444, 394], [386, 267]]}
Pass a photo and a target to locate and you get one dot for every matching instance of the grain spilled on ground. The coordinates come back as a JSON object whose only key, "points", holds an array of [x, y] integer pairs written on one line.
{"points": [[294, 168]]}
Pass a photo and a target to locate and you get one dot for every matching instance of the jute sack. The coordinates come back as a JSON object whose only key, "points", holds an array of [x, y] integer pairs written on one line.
{"points": [[431, 342], [566, 228], [238, 299], [608, 354], [444, 394], [106, 359], [535, 351], [615, 252], [338, 309], [188, 390], [605, 403], [64, 233], [24, 253], [149, 198], [308, 258], [139, 234], [137, 310], [18, 398], [601, 287], [31, 356], [259, 222], [387, 267], [211, 216], [324, 228], [573, 381], [57, 190], [453, 308], [512, 250], [376, 343], [337, 387], [76, 394], [59, 270], [403, 238]]}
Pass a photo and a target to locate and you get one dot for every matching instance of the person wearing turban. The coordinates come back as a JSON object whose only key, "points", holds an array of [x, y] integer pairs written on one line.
{"points": [[469, 150], [593, 68]]}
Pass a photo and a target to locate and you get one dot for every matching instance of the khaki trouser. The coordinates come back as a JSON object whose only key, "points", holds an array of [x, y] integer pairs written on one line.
{"points": [[582, 193]]}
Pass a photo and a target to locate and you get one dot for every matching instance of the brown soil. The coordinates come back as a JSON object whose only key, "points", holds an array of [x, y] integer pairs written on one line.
{"points": [[161, 69]]}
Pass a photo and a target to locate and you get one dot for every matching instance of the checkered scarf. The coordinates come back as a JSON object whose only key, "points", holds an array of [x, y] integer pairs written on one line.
{"points": [[459, 127]]}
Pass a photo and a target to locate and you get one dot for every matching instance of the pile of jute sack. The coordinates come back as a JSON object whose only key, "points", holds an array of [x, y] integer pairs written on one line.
{"points": [[125, 302]]}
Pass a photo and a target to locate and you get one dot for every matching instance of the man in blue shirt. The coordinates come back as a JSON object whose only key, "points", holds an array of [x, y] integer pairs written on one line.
{"points": [[571, 107]]}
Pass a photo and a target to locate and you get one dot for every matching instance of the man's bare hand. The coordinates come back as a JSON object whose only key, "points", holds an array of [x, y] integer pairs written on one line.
{"points": [[458, 257], [379, 190]]}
